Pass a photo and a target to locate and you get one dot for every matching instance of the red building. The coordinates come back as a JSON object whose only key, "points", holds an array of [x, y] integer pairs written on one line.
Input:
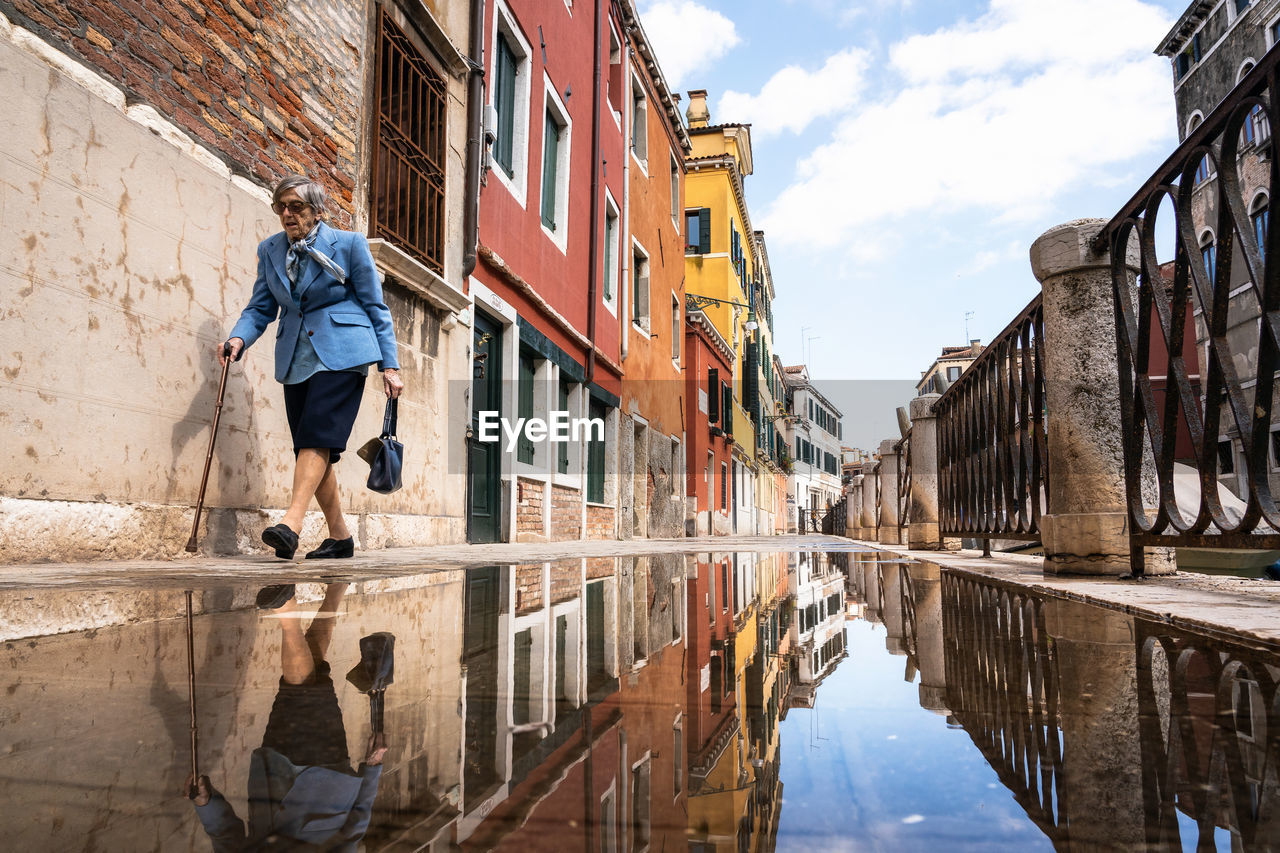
{"points": [[708, 371], [542, 340]]}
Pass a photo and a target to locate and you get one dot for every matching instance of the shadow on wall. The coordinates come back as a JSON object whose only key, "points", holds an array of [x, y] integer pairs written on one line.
{"points": [[236, 447]]}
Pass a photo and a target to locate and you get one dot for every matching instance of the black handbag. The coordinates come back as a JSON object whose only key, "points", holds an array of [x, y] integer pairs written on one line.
{"points": [[384, 454]]}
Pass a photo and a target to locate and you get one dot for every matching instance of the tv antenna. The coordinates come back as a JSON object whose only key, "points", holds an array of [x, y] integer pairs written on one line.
{"points": [[967, 315]]}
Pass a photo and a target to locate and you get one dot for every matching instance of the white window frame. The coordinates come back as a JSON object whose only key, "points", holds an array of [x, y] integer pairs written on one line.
{"points": [[644, 327], [637, 92], [504, 22], [614, 245], [1275, 463], [542, 464], [676, 326], [677, 206], [552, 103], [615, 58]]}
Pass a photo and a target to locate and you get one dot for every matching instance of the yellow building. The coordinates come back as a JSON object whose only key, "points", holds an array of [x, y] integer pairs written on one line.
{"points": [[722, 266]]}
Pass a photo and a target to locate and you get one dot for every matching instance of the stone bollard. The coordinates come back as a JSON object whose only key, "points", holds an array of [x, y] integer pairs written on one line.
{"points": [[926, 589], [1086, 530], [923, 532], [868, 523], [853, 508], [889, 534]]}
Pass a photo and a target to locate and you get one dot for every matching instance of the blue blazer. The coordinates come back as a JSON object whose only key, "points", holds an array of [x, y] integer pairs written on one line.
{"points": [[349, 324]]}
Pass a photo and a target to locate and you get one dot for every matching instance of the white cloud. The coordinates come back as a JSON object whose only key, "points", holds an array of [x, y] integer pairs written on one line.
{"points": [[998, 118], [794, 97], [687, 37]]}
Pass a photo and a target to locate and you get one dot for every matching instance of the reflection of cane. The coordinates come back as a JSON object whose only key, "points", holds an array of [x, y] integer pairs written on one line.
{"points": [[191, 693], [213, 436]]}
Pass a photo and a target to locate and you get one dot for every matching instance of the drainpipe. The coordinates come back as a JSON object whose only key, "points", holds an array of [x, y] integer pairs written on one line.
{"points": [[593, 253], [624, 310], [475, 134]]}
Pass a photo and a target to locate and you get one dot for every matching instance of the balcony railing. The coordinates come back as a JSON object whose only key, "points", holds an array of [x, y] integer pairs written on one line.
{"points": [[1234, 284], [992, 460]]}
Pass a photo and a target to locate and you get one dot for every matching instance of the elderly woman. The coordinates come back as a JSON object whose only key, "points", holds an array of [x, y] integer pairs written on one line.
{"points": [[321, 284]]}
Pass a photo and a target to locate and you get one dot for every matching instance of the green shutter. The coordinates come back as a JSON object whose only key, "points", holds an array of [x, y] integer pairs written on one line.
{"points": [[728, 408], [704, 230], [550, 156], [595, 456], [713, 395], [562, 454], [504, 98], [524, 409]]}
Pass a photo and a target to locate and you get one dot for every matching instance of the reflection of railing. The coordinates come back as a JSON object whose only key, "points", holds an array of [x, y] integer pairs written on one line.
{"points": [[1210, 733], [1228, 281], [1002, 682], [992, 460]]}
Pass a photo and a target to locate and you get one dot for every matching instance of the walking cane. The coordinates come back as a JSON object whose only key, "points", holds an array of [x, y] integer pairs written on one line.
{"points": [[213, 436], [191, 693]]}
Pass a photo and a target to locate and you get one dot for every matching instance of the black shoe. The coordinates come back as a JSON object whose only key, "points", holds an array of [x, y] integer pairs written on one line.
{"points": [[283, 539], [334, 549], [275, 597]]}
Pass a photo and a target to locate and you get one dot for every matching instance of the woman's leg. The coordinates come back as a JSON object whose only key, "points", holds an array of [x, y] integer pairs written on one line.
{"points": [[297, 664], [331, 505], [308, 472], [321, 630]]}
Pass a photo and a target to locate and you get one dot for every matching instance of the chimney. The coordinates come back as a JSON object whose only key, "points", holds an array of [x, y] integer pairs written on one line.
{"points": [[975, 346], [697, 113]]}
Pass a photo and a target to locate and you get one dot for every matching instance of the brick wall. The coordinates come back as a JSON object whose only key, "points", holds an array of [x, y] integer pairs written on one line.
{"points": [[600, 522], [528, 587], [270, 86], [601, 567], [566, 580], [566, 513], [529, 498]]}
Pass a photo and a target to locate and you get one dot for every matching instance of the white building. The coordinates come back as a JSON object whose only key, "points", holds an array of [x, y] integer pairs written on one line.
{"points": [[813, 434]]}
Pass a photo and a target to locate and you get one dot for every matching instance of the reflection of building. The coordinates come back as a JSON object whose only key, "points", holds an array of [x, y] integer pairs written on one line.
{"points": [[575, 705], [818, 643]]}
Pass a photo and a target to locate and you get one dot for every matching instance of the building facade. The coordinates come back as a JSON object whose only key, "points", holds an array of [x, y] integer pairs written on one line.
{"points": [[948, 366], [813, 435], [142, 144]]}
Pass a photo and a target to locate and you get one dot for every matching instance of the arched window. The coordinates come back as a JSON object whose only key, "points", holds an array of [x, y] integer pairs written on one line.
{"points": [[1203, 172], [1209, 253], [1259, 215]]}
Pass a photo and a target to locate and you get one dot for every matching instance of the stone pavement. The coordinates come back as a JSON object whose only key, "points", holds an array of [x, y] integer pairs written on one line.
{"points": [[55, 598]]}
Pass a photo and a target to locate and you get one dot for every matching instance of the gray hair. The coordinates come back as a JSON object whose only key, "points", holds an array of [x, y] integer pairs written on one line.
{"points": [[311, 191]]}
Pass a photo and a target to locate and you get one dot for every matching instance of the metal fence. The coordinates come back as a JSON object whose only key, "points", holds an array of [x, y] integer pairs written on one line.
{"points": [[1222, 266], [992, 458], [835, 522], [903, 449]]}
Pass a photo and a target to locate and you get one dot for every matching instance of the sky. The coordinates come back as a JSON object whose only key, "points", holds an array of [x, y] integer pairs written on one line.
{"points": [[908, 152]]}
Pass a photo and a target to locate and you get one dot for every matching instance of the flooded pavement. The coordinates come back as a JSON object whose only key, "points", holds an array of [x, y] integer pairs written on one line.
{"points": [[713, 702]]}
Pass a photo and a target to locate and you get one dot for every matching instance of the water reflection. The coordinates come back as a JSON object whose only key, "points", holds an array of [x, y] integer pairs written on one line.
{"points": [[654, 703]]}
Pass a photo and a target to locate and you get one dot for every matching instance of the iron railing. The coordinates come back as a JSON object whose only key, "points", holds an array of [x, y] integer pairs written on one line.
{"points": [[876, 478], [992, 458], [1212, 182], [834, 523]]}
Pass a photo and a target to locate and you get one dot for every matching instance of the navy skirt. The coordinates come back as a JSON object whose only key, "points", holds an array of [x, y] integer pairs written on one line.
{"points": [[305, 725], [322, 410]]}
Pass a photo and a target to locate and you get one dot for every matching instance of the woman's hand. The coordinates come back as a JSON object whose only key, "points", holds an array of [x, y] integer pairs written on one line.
{"points": [[236, 345], [377, 749], [391, 382], [197, 790]]}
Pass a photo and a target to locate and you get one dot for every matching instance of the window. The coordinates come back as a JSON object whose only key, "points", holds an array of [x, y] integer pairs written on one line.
{"points": [[608, 823], [675, 328], [562, 447], [724, 487], [640, 288], [677, 752], [1241, 5], [1275, 446], [614, 83], [610, 252], [406, 199], [509, 92], [640, 806], [675, 191], [1226, 458], [524, 407], [1209, 253], [697, 231], [595, 454], [953, 373], [639, 122], [713, 395], [555, 167], [1260, 217]]}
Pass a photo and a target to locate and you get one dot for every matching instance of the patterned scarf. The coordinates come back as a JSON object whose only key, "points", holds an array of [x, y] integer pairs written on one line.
{"points": [[300, 250]]}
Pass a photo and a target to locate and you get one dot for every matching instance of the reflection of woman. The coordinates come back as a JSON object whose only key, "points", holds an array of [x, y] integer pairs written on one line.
{"points": [[301, 785], [322, 286]]}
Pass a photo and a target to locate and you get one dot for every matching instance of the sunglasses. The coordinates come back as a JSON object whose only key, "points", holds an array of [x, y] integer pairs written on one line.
{"points": [[294, 207]]}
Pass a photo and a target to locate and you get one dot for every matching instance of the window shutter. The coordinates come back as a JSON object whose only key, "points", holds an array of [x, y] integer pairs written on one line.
{"points": [[728, 407], [550, 156], [704, 230], [713, 395], [524, 447], [751, 382], [642, 297], [504, 101]]}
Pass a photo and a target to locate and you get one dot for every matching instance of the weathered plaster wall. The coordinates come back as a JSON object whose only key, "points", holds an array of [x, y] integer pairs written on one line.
{"points": [[128, 255]]}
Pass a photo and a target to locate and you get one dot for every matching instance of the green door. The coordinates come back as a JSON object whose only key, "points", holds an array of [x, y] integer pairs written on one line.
{"points": [[485, 512]]}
